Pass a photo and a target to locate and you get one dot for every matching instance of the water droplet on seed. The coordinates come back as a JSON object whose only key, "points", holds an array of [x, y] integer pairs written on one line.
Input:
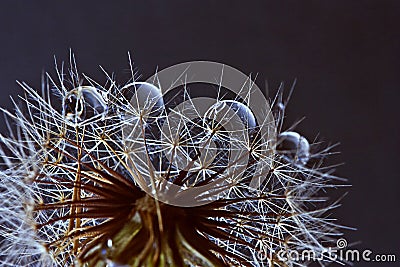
{"points": [[294, 147], [147, 100], [219, 111], [85, 103]]}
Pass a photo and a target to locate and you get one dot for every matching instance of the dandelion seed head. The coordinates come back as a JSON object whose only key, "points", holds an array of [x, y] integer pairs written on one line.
{"points": [[154, 174]]}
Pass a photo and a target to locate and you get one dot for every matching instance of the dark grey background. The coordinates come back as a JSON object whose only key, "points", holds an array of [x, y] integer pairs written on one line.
{"points": [[345, 55]]}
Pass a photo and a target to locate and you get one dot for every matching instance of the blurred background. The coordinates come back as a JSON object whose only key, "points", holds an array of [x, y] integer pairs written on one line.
{"points": [[344, 54]]}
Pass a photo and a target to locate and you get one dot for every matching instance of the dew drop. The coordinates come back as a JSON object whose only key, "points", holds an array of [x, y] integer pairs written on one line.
{"points": [[85, 103], [244, 113], [241, 110], [294, 147], [147, 100], [109, 243]]}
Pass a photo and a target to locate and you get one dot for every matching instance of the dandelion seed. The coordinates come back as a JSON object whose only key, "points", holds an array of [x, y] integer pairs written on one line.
{"points": [[141, 175]]}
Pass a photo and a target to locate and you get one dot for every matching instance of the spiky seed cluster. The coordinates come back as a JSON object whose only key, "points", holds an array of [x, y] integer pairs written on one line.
{"points": [[73, 179]]}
